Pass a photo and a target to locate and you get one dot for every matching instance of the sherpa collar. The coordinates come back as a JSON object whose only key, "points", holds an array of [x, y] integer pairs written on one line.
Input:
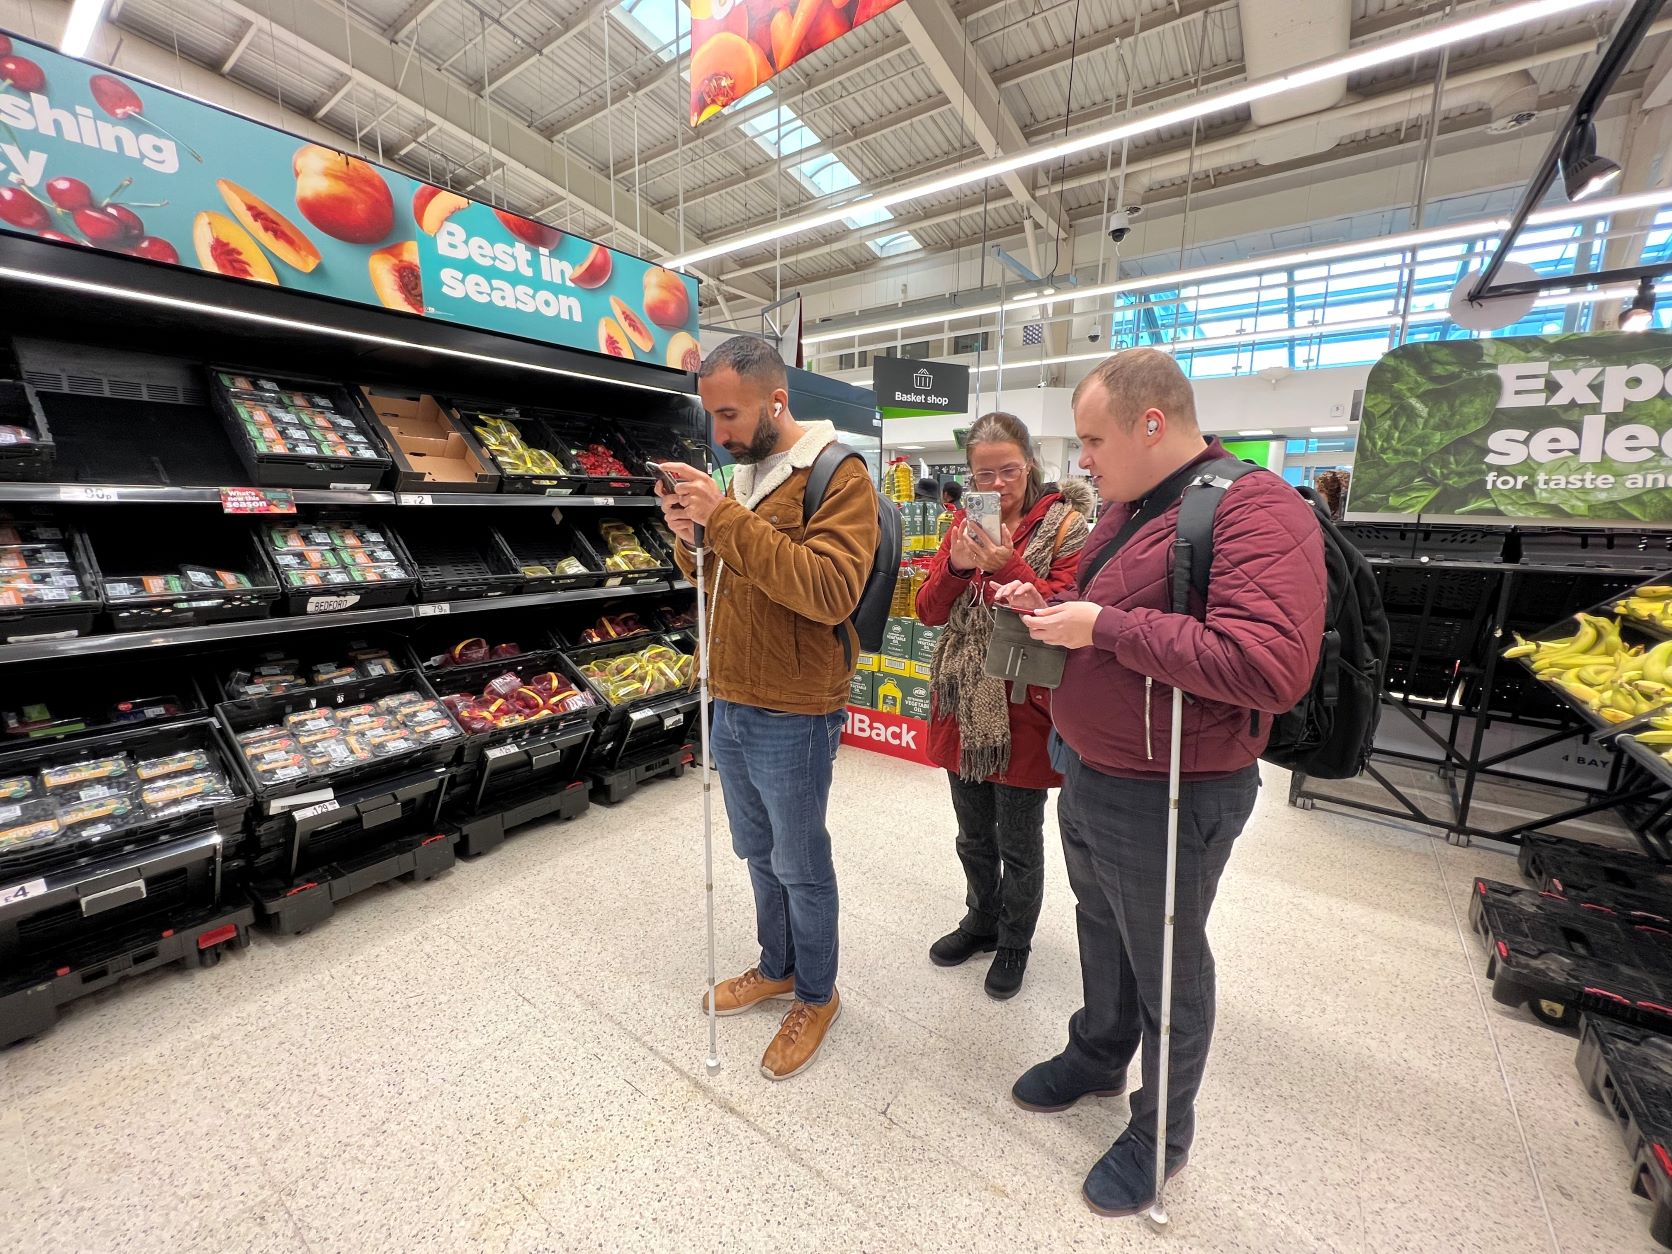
{"points": [[802, 454]]}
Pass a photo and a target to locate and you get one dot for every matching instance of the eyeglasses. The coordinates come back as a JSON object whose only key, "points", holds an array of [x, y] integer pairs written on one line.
{"points": [[1005, 474]]}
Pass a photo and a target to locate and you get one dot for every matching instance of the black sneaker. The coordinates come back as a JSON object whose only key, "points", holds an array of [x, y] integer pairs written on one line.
{"points": [[1004, 977], [958, 947], [1056, 1085]]}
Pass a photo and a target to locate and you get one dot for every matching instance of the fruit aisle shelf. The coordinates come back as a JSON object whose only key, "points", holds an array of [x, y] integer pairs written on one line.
{"points": [[1470, 603], [141, 494]]}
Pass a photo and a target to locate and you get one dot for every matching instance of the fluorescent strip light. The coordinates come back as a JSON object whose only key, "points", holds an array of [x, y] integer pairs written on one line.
{"points": [[1305, 256], [1328, 430], [1261, 431], [79, 29], [1204, 106], [245, 315]]}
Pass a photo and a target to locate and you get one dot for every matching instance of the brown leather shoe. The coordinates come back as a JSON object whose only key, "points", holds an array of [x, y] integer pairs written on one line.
{"points": [[799, 1036], [746, 991]]}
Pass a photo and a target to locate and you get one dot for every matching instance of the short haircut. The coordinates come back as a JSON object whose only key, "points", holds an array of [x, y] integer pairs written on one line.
{"points": [[1137, 379], [751, 357], [953, 491]]}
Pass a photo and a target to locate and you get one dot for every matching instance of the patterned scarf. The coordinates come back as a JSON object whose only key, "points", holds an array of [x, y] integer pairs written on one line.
{"points": [[961, 685]]}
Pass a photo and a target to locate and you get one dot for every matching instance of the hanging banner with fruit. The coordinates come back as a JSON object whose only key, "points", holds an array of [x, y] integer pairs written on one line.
{"points": [[736, 45], [1570, 427], [97, 159]]}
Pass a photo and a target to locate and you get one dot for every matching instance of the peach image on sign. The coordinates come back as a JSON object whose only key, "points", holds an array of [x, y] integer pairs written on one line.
{"points": [[594, 271], [431, 206], [684, 353], [396, 278], [666, 302], [633, 325], [613, 340], [342, 195], [725, 68], [224, 247], [535, 234], [271, 228]]}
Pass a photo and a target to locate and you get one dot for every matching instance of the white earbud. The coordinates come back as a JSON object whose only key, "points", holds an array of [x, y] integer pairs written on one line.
{"points": [[1152, 427], [777, 408]]}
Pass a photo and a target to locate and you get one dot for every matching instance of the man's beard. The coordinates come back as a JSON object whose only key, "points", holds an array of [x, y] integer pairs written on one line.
{"points": [[761, 446]]}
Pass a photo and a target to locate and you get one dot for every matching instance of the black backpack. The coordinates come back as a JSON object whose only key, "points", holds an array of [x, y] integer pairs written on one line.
{"points": [[876, 600], [1330, 732]]}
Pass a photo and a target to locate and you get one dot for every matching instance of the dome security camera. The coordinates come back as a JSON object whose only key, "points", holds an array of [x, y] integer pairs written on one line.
{"points": [[1120, 222]]}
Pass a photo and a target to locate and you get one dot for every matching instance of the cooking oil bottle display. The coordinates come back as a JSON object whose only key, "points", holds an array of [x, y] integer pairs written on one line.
{"points": [[889, 695]]}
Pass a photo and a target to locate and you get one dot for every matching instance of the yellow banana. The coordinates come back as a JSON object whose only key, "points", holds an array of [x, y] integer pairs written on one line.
{"points": [[1654, 737], [1654, 592], [1610, 715], [1582, 692], [1594, 675], [1656, 660]]}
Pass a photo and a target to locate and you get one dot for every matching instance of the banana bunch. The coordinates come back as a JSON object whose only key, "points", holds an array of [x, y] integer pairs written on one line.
{"points": [[1615, 681], [1658, 735], [1652, 603]]}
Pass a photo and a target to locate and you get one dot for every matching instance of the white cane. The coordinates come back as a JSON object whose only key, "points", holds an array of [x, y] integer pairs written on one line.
{"points": [[707, 802], [1158, 1211]]}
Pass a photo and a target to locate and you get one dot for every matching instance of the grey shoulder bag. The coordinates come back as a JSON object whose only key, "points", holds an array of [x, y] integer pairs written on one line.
{"points": [[1014, 655]]}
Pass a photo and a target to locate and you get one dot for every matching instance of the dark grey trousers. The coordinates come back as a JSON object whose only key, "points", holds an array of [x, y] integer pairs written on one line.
{"points": [[1114, 838], [1001, 842]]}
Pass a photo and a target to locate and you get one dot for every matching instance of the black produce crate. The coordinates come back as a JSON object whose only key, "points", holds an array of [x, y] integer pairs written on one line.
{"points": [[432, 450], [345, 585], [296, 798], [614, 781], [590, 525], [71, 698], [431, 641], [110, 777], [1627, 603], [42, 539], [1592, 873], [484, 828], [565, 478], [364, 463], [34, 455], [457, 560], [247, 669], [1449, 591], [1427, 652], [635, 726], [1435, 542], [670, 441], [1558, 958], [1382, 541], [542, 540], [1631, 633], [152, 543], [579, 432], [1629, 1070], [1645, 551], [31, 996], [295, 904], [514, 743]]}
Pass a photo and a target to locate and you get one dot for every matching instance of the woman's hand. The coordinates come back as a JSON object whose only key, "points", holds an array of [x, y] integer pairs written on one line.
{"points": [[990, 557], [962, 553], [1020, 596]]}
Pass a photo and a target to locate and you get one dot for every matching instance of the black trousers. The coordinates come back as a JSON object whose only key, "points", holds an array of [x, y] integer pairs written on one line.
{"points": [[1114, 838], [1001, 842]]}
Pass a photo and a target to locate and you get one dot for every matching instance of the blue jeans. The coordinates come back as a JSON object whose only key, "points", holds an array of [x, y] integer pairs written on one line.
{"points": [[775, 772]]}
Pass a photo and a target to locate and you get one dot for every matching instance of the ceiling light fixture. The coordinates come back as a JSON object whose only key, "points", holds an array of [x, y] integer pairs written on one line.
{"points": [[1261, 431], [1584, 174], [79, 29], [1414, 45], [1641, 312], [1328, 430], [1306, 256]]}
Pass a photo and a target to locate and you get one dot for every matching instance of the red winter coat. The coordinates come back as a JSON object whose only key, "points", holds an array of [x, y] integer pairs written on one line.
{"points": [[1030, 722], [1256, 649]]}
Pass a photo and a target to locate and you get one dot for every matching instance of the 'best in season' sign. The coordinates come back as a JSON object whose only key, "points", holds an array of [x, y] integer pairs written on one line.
{"points": [[94, 158], [1559, 427], [908, 389]]}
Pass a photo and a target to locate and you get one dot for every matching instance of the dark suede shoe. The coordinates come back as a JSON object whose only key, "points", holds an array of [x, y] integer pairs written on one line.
{"points": [[1004, 977], [1056, 1085], [958, 947], [1122, 1182]]}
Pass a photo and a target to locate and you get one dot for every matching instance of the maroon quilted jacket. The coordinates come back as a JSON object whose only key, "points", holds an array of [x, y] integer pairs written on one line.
{"points": [[1252, 656]]}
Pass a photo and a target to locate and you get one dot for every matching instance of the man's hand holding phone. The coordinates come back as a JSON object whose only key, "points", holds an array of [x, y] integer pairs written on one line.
{"points": [[678, 488]]}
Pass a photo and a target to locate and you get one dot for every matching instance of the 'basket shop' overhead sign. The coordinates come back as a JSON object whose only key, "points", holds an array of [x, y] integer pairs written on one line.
{"points": [[92, 157], [1564, 427], [910, 389]]}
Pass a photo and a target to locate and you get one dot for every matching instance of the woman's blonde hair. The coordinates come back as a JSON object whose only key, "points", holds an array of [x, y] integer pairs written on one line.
{"points": [[1002, 428]]}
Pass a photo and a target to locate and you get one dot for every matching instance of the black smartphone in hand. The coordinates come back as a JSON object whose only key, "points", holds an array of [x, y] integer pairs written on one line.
{"points": [[662, 476]]}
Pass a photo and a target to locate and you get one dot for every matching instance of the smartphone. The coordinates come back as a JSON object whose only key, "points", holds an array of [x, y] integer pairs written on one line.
{"points": [[982, 508], [666, 480]]}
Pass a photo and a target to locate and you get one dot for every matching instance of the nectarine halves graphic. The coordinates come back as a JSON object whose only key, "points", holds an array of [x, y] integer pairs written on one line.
{"points": [[224, 247], [396, 277], [269, 227], [631, 323]]}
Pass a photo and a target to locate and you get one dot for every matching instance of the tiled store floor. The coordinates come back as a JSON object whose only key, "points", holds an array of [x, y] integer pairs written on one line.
{"points": [[511, 1058]]}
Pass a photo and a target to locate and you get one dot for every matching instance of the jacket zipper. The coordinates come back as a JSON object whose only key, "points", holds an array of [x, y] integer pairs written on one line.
{"points": [[1149, 741]]}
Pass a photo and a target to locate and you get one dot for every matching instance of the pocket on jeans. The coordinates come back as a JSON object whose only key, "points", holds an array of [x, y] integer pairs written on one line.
{"points": [[838, 724]]}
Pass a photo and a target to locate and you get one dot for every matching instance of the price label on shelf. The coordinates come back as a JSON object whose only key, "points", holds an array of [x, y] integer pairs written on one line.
{"points": [[415, 498], [83, 493], [331, 604], [431, 610], [258, 501], [314, 811], [22, 892], [604, 500], [500, 751]]}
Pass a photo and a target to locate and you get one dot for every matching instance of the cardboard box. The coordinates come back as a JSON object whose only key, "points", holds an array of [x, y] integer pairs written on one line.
{"points": [[862, 690], [868, 661], [920, 671], [894, 666], [923, 643], [897, 638], [915, 702]]}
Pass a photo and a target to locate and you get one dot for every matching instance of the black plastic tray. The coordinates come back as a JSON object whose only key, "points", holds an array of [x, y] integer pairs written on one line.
{"points": [[667, 442], [332, 598], [1629, 1070], [300, 470], [226, 816], [55, 620], [619, 730], [1591, 873], [130, 547], [541, 541], [241, 716], [1559, 958], [1630, 631], [456, 560], [590, 524], [1658, 629], [20, 407], [569, 480], [576, 431], [307, 651], [82, 696], [447, 681]]}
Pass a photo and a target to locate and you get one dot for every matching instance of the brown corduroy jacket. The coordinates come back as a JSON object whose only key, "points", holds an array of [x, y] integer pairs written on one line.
{"points": [[781, 588]]}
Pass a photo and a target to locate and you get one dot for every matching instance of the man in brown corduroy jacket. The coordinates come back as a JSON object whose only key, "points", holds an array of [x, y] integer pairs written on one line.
{"points": [[780, 590]]}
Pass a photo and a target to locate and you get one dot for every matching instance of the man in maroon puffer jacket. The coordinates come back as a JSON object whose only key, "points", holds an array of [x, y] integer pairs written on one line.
{"points": [[1245, 656]]}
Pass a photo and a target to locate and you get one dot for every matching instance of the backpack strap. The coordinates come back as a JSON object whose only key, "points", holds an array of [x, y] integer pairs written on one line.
{"points": [[822, 471], [1195, 522]]}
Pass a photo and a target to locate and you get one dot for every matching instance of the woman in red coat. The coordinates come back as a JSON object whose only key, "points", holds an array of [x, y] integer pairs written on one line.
{"points": [[993, 749]]}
